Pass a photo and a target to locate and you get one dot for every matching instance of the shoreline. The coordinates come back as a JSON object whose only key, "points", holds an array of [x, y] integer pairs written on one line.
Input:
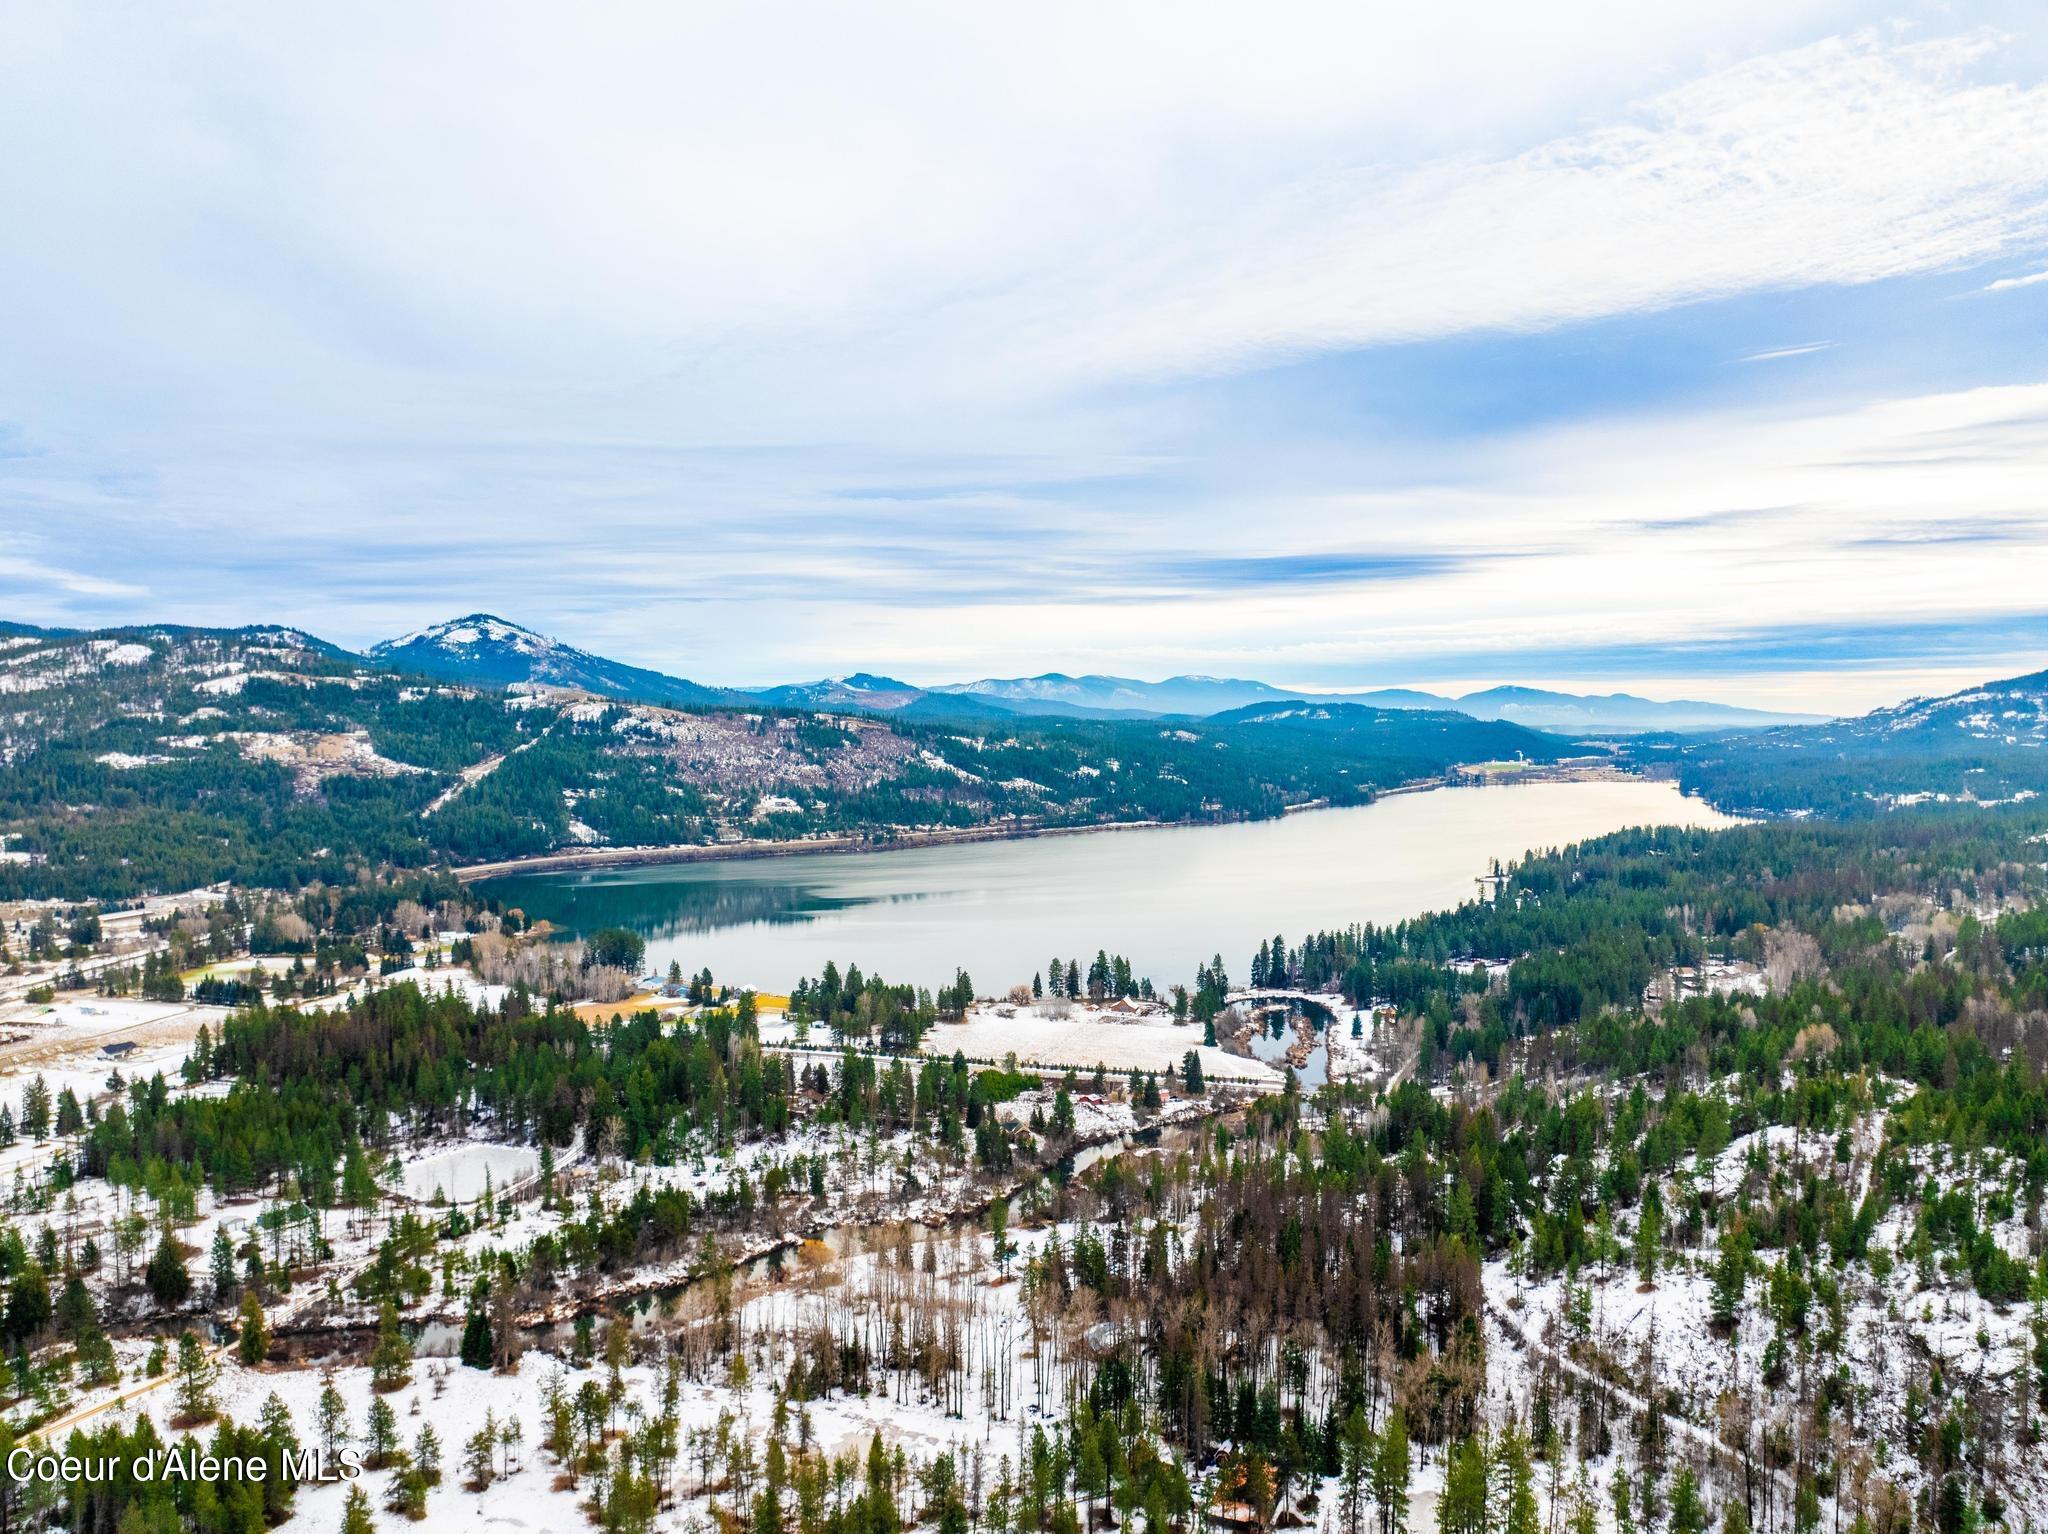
{"points": [[850, 844], [584, 859]]}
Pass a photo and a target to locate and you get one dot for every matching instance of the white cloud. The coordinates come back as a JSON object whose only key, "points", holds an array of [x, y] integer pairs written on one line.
{"points": [[353, 311], [757, 223], [2003, 283], [1848, 161], [1779, 353], [35, 575]]}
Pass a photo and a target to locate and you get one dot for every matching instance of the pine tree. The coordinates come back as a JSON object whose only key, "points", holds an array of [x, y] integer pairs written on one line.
{"points": [[1518, 1484], [1730, 1277], [391, 1358], [254, 1342], [477, 1351], [1390, 1476], [355, 1513], [28, 1303], [1461, 1506], [169, 1282], [1649, 1233], [35, 1109], [426, 1454], [195, 1381], [1688, 1513], [1624, 1518], [380, 1433], [479, 1454], [333, 1419], [1357, 1454], [221, 1267]]}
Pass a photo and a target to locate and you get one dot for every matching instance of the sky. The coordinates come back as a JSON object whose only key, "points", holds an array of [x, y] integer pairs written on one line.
{"points": [[1698, 350]]}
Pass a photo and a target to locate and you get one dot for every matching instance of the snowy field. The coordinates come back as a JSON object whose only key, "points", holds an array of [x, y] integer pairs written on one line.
{"points": [[457, 1173], [1085, 1038], [85, 1020], [462, 981]]}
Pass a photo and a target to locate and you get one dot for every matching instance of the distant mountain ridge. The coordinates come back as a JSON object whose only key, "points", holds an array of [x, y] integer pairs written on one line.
{"points": [[1203, 697], [484, 648]]}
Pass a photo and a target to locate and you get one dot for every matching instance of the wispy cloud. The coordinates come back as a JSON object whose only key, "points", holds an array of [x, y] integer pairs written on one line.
{"points": [[2004, 283], [934, 344], [1777, 353], [31, 581]]}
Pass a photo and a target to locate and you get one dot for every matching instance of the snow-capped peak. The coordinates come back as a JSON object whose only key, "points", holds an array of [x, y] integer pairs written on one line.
{"points": [[467, 633]]}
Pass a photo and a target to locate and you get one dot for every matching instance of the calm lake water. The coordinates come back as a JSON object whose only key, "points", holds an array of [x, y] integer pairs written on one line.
{"points": [[1168, 898]]}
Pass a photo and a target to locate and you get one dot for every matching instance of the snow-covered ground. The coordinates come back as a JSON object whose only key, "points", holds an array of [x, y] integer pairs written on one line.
{"points": [[458, 1173], [1070, 1034]]}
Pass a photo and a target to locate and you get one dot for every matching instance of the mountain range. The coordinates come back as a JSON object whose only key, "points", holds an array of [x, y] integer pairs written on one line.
{"points": [[153, 757], [484, 648]]}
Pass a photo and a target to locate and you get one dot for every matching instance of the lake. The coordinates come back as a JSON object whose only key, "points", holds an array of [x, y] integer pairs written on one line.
{"points": [[1167, 897]]}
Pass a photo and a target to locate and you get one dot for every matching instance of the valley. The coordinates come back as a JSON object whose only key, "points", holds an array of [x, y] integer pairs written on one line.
{"points": [[1581, 1143]]}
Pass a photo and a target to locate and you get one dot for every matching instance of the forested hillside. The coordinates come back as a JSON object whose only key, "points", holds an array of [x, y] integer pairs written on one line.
{"points": [[1983, 745], [1704, 1186], [155, 759]]}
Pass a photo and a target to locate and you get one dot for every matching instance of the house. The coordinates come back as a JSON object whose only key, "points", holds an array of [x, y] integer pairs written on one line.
{"points": [[118, 1050]]}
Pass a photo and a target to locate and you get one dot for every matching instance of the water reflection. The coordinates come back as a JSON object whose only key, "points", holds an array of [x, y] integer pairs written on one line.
{"points": [[1167, 898]]}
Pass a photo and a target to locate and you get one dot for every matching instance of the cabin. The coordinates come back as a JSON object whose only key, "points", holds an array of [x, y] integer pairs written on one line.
{"points": [[119, 1050]]}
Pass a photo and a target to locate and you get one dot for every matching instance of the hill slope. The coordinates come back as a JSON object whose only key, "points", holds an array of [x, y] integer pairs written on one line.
{"points": [[1391, 734], [156, 759], [487, 649], [1984, 745]]}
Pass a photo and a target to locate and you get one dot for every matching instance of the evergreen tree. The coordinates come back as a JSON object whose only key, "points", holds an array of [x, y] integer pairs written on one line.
{"points": [[1649, 1233], [332, 1419], [170, 1284], [391, 1357], [426, 1453], [1390, 1476], [1688, 1513], [28, 1303], [355, 1513], [195, 1380], [35, 1109], [1518, 1484], [380, 1433], [1461, 1505], [477, 1351], [1357, 1454], [253, 1344]]}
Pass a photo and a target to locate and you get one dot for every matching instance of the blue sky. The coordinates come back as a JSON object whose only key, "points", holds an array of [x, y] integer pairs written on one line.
{"points": [[1693, 349]]}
